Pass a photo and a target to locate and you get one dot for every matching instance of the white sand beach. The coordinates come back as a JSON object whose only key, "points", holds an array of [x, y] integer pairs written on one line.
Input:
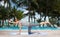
{"points": [[37, 33]]}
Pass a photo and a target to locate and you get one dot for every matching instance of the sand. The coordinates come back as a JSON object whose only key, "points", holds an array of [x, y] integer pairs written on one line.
{"points": [[24, 33]]}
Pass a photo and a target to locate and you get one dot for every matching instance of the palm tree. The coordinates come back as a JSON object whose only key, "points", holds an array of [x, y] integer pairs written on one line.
{"points": [[8, 8], [16, 14], [3, 14], [40, 6]]}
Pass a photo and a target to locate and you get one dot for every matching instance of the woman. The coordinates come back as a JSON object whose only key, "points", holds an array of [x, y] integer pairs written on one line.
{"points": [[16, 21]]}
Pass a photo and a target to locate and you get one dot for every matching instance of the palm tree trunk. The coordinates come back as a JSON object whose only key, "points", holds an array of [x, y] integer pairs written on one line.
{"points": [[14, 20], [34, 18], [45, 18], [40, 17], [2, 23], [29, 27], [46, 9], [34, 15], [8, 22], [29, 18], [58, 22]]}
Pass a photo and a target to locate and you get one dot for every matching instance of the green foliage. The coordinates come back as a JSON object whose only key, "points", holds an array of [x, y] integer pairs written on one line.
{"points": [[19, 15], [3, 13], [16, 13], [46, 6]]}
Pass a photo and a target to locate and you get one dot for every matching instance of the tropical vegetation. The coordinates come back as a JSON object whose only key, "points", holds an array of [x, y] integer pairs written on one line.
{"points": [[44, 8]]}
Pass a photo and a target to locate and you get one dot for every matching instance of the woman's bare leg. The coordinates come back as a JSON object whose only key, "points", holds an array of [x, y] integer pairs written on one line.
{"points": [[20, 28], [19, 32]]}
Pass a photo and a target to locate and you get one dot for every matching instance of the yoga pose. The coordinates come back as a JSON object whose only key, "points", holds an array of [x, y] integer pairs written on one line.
{"points": [[45, 22], [16, 21]]}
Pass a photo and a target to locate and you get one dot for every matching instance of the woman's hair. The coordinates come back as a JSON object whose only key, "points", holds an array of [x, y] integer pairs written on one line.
{"points": [[15, 20]]}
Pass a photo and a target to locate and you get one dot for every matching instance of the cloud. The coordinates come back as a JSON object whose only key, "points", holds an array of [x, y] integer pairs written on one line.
{"points": [[2, 3]]}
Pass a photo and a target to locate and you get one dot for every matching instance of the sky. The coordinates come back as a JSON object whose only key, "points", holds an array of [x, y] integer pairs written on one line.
{"points": [[25, 11], [2, 3]]}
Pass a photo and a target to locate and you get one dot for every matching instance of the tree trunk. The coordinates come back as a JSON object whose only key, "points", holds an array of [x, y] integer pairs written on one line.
{"points": [[40, 17], [29, 27], [29, 18], [34, 18], [8, 23], [2, 23]]}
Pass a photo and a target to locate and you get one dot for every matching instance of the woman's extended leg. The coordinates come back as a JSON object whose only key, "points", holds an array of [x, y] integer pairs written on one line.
{"points": [[20, 26]]}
